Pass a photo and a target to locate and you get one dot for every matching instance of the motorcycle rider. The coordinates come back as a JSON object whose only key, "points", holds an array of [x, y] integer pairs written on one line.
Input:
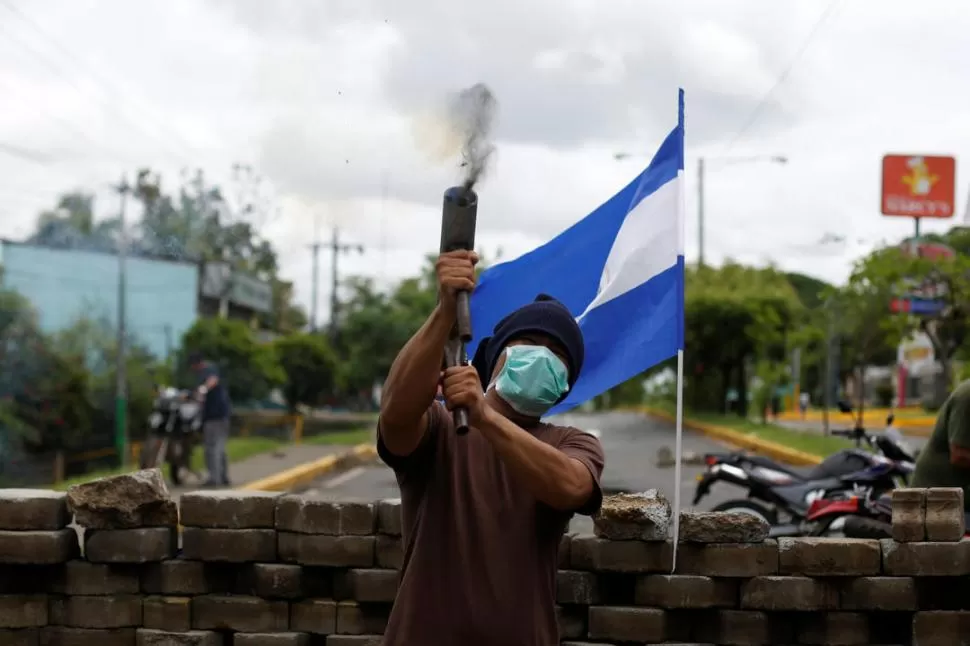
{"points": [[945, 460], [216, 410]]}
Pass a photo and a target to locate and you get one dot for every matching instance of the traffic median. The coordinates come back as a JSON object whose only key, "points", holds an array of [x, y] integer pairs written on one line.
{"points": [[788, 446]]}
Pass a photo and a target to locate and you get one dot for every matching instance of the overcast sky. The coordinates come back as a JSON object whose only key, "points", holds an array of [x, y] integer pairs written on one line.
{"points": [[326, 100]]}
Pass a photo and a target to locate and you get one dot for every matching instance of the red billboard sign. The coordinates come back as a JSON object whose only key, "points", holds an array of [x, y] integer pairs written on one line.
{"points": [[918, 186]]}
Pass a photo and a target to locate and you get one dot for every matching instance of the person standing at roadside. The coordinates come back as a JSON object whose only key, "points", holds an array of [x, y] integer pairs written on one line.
{"points": [[216, 411]]}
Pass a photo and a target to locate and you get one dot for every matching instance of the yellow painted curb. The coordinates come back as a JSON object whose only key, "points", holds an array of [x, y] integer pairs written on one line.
{"points": [[772, 450], [304, 474]]}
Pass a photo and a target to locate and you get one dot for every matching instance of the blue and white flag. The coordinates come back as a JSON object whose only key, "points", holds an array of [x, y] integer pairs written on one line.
{"points": [[619, 270]]}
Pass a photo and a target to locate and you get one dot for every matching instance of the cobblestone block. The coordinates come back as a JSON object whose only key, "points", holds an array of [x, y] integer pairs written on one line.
{"points": [[229, 545], [240, 613], [82, 577], [304, 515], [788, 593], [721, 527], [941, 628], [38, 548], [728, 559], [925, 559], [332, 551], [173, 614], [633, 516], [945, 519], [317, 616], [564, 550], [271, 639], [684, 591], [832, 629], [593, 553], [229, 509], [23, 611], [368, 585], [744, 627], [272, 581], [124, 501], [151, 637], [354, 640], [175, 576], [20, 637], [572, 621], [361, 619], [143, 545], [879, 593], [389, 517], [114, 611], [389, 552], [33, 510], [909, 515], [67, 636], [575, 587], [829, 556], [627, 624]]}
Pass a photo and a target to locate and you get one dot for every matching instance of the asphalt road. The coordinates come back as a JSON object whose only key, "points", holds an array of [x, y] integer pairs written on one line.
{"points": [[630, 441]]}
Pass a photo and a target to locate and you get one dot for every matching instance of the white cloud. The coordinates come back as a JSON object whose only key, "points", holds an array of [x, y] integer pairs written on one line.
{"points": [[323, 97]]}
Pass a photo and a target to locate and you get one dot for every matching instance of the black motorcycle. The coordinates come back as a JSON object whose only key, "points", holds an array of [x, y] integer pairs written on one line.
{"points": [[173, 426], [783, 495]]}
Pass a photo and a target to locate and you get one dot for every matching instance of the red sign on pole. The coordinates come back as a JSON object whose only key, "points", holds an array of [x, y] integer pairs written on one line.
{"points": [[918, 186]]}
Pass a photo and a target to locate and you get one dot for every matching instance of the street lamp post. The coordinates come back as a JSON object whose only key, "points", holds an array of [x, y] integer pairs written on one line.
{"points": [[701, 170]]}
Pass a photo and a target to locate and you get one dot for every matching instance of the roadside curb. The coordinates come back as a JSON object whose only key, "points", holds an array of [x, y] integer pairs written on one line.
{"points": [[772, 450], [304, 474]]}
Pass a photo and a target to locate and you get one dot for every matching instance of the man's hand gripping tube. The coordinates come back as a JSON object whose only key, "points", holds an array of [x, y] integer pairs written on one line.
{"points": [[459, 215]]}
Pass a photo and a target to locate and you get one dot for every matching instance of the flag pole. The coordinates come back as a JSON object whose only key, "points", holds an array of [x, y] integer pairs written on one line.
{"points": [[679, 416], [678, 454]]}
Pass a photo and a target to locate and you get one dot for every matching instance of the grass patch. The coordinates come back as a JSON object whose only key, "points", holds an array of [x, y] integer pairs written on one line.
{"points": [[242, 448], [807, 441], [237, 449], [342, 438]]}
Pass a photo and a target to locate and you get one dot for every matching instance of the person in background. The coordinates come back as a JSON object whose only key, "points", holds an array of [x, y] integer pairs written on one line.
{"points": [[216, 411], [945, 460], [483, 514], [803, 401]]}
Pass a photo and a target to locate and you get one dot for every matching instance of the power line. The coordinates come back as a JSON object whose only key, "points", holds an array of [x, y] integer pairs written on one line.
{"points": [[51, 64], [23, 153], [756, 113], [100, 78]]}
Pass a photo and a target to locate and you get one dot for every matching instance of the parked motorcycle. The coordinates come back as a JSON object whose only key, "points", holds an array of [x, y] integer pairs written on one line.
{"points": [[173, 426], [856, 516], [783, 496]]}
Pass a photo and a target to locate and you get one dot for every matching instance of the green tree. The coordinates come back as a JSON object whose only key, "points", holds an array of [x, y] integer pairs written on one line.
{"points": [[310, 366], [735, 317], [250, 369], [893, 272]]}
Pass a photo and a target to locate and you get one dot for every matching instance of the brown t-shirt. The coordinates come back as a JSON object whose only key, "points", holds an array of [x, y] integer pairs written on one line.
{"points": [[480, 552]]}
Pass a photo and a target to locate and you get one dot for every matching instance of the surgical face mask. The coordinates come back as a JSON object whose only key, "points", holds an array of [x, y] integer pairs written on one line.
{"points": [[532, 380]]}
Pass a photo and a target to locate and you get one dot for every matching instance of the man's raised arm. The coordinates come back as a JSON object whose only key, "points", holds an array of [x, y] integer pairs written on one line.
{"points": [[412, 381]]}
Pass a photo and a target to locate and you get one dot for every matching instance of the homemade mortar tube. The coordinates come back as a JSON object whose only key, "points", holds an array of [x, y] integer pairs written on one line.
{"points": [[459, 216]]}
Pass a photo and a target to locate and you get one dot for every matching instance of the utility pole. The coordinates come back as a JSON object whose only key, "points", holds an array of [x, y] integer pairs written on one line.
{"points": [[336, 248], [121, 387], [700, 212], [315, 279]]}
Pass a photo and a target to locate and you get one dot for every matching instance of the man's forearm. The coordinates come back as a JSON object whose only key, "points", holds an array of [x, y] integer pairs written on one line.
{"points": [[413, 378], [553, 477]]}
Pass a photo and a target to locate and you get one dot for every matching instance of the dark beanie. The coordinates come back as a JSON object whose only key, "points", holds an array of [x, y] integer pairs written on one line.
{"points": [[545, 315]]}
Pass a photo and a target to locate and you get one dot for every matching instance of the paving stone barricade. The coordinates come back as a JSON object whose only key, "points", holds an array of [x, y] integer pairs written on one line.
{"points": [[260, 569]]}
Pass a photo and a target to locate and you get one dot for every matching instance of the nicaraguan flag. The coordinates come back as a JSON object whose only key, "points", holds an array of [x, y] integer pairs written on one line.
{"points": [[619, 270]]}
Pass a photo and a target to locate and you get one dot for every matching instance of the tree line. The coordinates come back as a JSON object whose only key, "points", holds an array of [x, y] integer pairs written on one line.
{"points": [[742, 323]]}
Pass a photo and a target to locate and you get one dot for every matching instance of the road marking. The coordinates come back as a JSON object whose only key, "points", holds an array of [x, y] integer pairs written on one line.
{"points": [[343, 477]]}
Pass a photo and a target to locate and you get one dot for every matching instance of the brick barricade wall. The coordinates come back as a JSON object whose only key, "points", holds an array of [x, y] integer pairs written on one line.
{"points": [[258, 569]]}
